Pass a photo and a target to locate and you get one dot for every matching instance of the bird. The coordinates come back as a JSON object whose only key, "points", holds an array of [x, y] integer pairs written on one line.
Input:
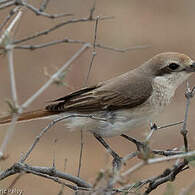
{"points": [[123, 102]]}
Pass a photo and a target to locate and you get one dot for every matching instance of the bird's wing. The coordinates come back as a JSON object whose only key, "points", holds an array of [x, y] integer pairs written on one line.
{"points": [[110, 95]]}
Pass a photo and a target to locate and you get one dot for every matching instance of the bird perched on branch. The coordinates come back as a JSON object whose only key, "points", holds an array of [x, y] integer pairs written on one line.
{"points": [[121, 103]]}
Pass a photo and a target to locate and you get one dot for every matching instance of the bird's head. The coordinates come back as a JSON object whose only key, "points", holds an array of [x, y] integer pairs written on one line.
{"points": [[170, 68]]}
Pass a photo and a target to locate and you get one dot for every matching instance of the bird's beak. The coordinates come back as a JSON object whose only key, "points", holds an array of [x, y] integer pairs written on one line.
{"points": [[191, 68]]}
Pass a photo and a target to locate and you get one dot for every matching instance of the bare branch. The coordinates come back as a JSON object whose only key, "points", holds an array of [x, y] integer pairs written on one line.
{"points": [[7, 4], [81, 153], [6, 34], [48, 173], [123, 50], [167, 152], [85, 83], [45, 32], [170, 125], [38, 12], [189, 94], [177, 156], [92, 10], [4, 1], [12, 76], [71, 41], [11, 13], [52, 43], [168, 175], [8, 135], [93, 52]]}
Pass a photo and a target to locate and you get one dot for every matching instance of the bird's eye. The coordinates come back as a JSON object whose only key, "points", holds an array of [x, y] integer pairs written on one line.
{"points": [[173, 66]]}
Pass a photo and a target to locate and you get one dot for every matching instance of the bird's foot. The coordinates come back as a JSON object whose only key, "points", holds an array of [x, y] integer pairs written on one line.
{"points": [[117, 162], [153, 126]]}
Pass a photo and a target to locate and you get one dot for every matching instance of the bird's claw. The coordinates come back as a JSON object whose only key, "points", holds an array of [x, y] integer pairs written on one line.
{"points": [[117, 162]]}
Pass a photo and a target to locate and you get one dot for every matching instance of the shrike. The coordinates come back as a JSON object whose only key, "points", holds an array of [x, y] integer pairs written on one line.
{"points": [[123, 102]]}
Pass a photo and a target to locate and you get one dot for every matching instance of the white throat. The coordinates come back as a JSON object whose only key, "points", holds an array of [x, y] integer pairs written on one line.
{"points": [[172, 81]]}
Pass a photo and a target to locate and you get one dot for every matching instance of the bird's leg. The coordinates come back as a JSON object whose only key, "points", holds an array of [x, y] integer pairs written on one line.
{"points": [[133, 140], [116, 158], [144, 151]]}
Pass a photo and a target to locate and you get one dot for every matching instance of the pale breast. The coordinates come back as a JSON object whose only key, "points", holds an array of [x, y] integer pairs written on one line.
{"points": [[162, 94]]}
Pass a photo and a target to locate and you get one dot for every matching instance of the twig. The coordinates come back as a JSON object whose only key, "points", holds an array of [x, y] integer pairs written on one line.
{"points": [[53, 172], [92, 10], [12, 76], [81, 153], [137, 185], [168, 175], [6, 44], [38, 12], [94, 50], [8, 135], [48, 44], [138, 143], [4, 1], [170, 125], [189, 94], [57, 26], [123, 50], [71, 41], [177, 156], [153, 127], [46, 172], [6, 34], [167, 152], [129, 156], [85, 83], [35, 10], [7, 4], [11, 13]]}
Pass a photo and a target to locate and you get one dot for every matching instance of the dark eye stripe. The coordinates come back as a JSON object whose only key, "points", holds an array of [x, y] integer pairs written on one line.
{"points": [[167, 70], [163, 71]]}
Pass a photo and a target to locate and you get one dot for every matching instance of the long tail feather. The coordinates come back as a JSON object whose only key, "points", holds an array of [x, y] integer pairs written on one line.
{"points": [[26, 116]]}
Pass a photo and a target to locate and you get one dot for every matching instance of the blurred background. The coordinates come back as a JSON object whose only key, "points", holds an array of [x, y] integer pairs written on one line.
{"points": [[164, 25]]}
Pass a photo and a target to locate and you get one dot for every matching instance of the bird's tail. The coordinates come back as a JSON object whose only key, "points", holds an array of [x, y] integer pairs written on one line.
{"points": [[27, 116]]}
